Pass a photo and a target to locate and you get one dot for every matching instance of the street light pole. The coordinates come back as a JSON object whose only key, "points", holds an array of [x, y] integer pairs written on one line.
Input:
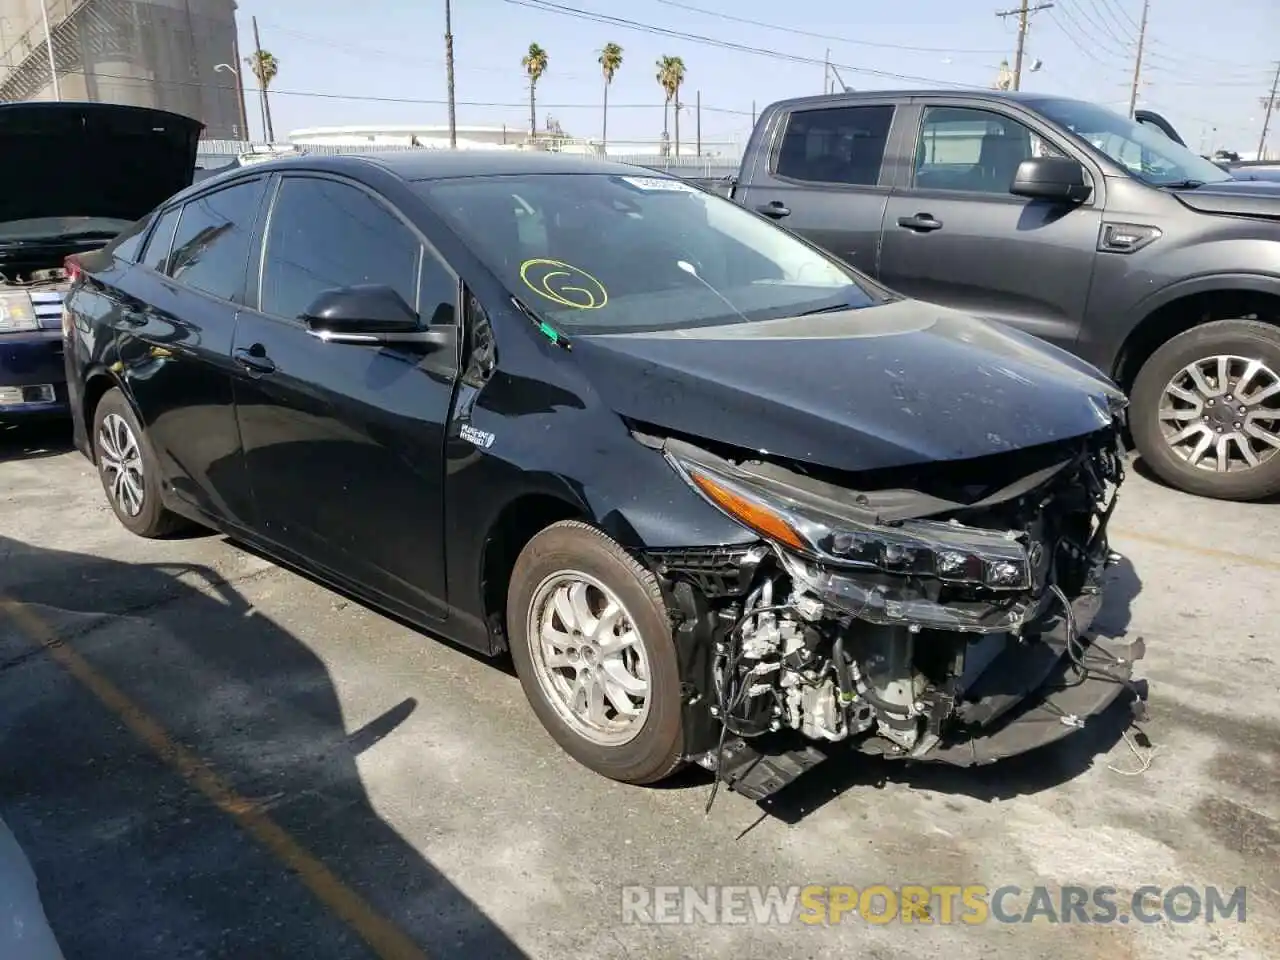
{"points": [[244, 120], [48, 42]]}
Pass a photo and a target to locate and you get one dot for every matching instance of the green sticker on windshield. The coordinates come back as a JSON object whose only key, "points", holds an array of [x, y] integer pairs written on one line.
{"points": [[563, 283]]}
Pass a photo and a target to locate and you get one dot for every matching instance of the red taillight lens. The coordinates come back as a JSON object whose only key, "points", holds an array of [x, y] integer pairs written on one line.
{"points": [[72, 266]]}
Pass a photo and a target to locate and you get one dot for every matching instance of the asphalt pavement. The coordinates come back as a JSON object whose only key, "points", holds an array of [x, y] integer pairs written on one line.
{"points": [[204, 755]]}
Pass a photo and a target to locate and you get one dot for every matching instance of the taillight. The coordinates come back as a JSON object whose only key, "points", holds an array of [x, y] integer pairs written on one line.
{"points": [[72, 266]]}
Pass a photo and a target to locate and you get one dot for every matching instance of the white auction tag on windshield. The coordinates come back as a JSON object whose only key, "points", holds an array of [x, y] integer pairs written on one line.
{"points": [[658, 183]]}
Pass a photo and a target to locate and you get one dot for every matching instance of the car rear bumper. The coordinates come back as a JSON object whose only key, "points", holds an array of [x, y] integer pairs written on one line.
{"points": [[33, 377]]}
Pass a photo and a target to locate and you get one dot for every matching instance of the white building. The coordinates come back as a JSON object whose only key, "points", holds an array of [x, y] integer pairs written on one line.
{"points": [[437, 135]]}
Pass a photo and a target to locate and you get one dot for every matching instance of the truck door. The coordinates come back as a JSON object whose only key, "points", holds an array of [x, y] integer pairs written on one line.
{"points": [[822, 175], [954, 234]]}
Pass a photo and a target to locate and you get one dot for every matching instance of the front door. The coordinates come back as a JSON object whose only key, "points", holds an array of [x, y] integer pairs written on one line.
{"points": [[344, 443], [956, 236]]}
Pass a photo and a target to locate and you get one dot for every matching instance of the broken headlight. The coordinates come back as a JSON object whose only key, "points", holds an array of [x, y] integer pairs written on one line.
{"points": [[17, 314], [840, 533]]}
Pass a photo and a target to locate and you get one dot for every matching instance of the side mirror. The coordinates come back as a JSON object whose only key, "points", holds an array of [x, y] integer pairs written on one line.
{"points": [[1051, 178], [371, 313]]}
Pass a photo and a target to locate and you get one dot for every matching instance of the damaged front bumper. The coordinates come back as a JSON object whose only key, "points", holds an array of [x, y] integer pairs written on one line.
{"points": [[899, 622]]}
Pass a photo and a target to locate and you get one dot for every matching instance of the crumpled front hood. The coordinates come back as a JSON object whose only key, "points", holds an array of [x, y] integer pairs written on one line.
{"points": [[66, 159], [894, 385]]}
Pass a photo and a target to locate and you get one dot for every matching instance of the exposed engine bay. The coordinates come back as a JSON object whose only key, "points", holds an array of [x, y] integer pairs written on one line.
{"points": [[30, 294], [949, 623]]}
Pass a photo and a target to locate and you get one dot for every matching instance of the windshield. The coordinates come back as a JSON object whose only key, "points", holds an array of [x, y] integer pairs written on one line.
{"points": [[600, 253], [54, 228], [1141, 149]]}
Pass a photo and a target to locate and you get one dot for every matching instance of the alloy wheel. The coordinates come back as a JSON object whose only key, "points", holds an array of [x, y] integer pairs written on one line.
{"points": [[589, 658], [1222, 414], [120, 461]]}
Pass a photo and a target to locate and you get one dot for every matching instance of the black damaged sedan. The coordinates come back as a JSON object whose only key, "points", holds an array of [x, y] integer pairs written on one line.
{"points": [[723, 499]]}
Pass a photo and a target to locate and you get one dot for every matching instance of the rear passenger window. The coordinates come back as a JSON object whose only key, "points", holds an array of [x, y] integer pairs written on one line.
{"points": [[324, 235], [211, 246], [156, 256], [835, 145]]}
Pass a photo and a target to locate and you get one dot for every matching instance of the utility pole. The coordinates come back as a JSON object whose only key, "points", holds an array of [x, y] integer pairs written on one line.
{"points": [[1023, 12], [826, 72], [698, 122], [1137, 63], [262, 87], [448, 68], [48, 42], [1268, 106]]}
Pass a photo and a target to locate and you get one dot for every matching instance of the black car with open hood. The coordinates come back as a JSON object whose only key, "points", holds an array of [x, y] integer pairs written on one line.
{"points": [[723, 499], [76, 176]]}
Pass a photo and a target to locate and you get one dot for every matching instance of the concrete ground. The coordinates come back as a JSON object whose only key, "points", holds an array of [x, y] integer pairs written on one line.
{"points": [[204, 755]]}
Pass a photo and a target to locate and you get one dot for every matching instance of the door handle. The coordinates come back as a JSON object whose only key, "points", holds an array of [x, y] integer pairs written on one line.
{"points": [[774, 208], [921, 223], [254, 359]]}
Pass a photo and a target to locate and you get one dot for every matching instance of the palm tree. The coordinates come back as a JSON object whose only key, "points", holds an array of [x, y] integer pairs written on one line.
{"points": [[670, 76], [610, 60], [535, 65], [264, 66]]}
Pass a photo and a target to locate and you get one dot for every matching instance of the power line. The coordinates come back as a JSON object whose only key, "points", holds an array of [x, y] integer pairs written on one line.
{"points": [[368, 98], [827, 37], [626, 24]]}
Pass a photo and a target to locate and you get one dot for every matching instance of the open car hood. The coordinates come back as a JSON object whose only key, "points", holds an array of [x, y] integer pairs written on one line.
{"points": [[888, 386], [92, 159]]}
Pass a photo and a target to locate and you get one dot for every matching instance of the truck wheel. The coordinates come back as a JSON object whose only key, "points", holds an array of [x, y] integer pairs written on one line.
{"points": [[128, 470], [591, 639], [1206, 410]]}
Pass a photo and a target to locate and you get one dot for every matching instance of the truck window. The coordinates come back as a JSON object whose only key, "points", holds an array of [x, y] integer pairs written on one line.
{"points": [[835, 145], [977, 151]]}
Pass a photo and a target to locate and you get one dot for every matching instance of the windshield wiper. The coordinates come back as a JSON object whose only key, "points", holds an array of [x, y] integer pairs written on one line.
{"points": [[60, 238], [832, 309], [1182, 184]]}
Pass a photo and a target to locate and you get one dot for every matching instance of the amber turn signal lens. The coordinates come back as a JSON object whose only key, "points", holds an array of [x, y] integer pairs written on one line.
{"points": [[758, 518]]}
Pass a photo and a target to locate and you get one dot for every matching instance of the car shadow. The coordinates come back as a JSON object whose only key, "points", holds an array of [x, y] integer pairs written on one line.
{"points": [[1030, 773], [133, 858], [34, 441]]}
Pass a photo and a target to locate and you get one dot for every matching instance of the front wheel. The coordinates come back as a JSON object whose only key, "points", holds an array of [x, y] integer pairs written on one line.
{"points": [[592, 644], [1206, 410]]}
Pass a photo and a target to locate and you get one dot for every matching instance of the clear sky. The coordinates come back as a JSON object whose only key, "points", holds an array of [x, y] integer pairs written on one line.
{"points": [[382, 61]]}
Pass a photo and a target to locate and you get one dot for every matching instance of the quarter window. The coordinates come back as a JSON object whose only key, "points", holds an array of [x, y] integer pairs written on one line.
{"points": [[156, 256], [211, 246], [324, 234], [977, 151], [835, 145]]}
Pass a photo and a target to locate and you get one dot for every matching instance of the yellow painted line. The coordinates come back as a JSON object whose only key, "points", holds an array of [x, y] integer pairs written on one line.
{"points": [[1227, 555], [386, 940]]}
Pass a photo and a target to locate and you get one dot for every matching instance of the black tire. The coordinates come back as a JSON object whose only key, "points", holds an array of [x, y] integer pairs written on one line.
{"points": [[151, 519], [1243, 338], [655, 751]]}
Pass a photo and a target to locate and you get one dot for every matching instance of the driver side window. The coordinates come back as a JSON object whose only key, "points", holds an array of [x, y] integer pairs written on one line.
{"points": [[975, 151], [324, 234]]}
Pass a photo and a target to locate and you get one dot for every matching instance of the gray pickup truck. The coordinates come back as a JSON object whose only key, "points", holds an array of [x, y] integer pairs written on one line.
{"points": [[1101, 234]]}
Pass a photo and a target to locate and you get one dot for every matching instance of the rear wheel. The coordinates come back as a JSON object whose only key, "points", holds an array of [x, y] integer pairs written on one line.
{"points": [[591, 640], [127, 469], [1206, 410]]}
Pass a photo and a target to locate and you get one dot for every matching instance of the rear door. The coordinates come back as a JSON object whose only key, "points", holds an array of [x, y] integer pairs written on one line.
{"points": [[825, 176], [174, 329], [345, 443], [955, 235]]}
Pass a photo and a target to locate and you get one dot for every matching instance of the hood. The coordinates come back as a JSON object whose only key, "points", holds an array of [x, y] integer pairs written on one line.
{"points": [[1241, 198], [92, 159], [888, 386]]}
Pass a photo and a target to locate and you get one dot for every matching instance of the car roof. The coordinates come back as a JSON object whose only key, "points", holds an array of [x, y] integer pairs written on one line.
{"points": [[429, 164], [976, 93]]}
